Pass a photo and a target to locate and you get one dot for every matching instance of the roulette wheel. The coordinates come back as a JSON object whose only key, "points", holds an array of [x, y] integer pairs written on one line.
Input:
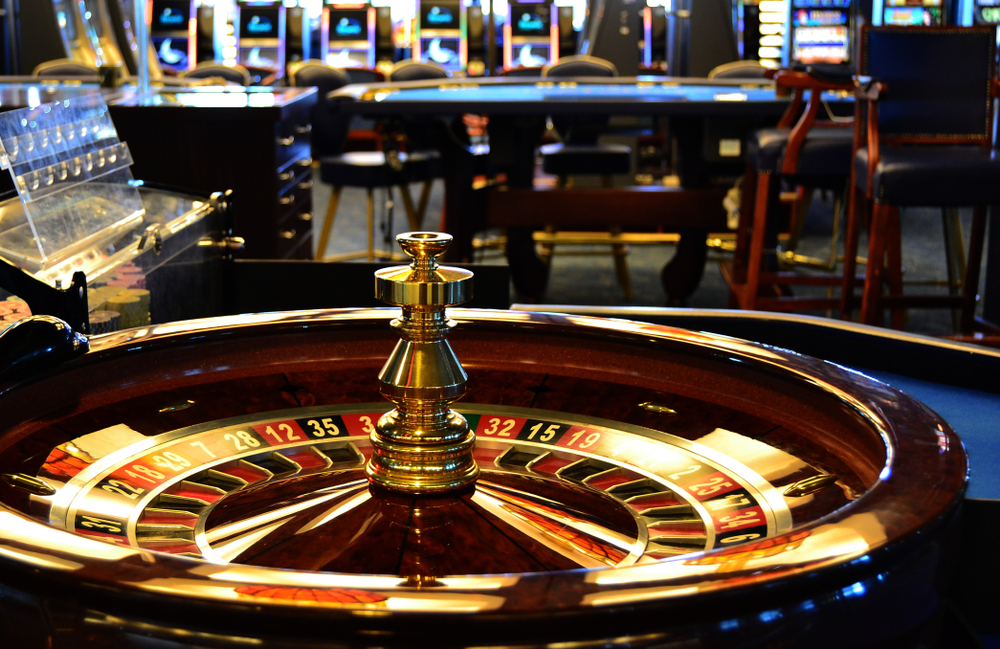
{"points": [[536, 480]]}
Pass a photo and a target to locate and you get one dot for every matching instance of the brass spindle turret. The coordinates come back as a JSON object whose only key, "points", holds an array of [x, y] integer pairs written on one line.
{"points": [[423, 446]]}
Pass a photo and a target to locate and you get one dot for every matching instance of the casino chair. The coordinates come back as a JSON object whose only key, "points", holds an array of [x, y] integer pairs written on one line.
{"points": [[739, 70], [63, 69], [232, 73], [580, 154], [365, 169], [923, 137], [804, 152]]}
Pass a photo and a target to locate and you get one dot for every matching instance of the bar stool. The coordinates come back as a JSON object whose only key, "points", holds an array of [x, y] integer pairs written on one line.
{"points": [[803, 151], [923, 137]]}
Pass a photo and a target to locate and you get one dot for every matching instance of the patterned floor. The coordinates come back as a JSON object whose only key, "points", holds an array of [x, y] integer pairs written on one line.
{"points": [[591, 280]]}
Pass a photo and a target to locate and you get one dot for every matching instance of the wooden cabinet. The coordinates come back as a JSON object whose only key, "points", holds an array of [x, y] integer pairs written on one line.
{"points": [[255, 142]]}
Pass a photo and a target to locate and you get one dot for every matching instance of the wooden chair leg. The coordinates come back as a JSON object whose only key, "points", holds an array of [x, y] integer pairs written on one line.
{"points": [[954, 254], [854, 206], [747, 202], [620, 251], [412, 219], [755, 258], [894, 265], [331, 213], [371, 224], [871, 298], [970, 283]]}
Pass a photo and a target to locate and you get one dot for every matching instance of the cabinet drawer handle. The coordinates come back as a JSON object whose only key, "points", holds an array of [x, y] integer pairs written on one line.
{"points": [[305, 162], [286, 200], [303, 129], [306, 184], [287, 234], [306, 217], [285, 176], [287, 141]]}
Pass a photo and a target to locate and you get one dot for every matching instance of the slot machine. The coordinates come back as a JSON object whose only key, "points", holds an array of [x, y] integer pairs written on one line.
{"points": [[567, 31], [209, 24], [530, 35], [820, 31], [347, 35], [909, 12], [173, 33], [297, 35], [55, 29], [440, 34], [475, 41], [612, 30], [385, 44], [260, 35], [654, 38]]}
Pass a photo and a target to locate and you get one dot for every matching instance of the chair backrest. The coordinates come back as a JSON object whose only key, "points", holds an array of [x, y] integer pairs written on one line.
{"points": [[580, 65], [234, 73], [364, 75], [417, 71], [62, 69], [738, 70], [329, 128], [937, 81]]}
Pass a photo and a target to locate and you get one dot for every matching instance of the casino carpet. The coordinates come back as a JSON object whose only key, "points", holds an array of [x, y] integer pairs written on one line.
{"points": [[590, 280]]}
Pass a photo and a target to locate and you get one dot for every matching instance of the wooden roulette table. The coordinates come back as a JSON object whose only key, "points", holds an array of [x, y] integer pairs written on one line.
{"points": [[203, 483]]}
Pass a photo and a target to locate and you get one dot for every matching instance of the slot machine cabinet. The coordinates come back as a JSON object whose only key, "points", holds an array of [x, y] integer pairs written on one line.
{"points": [[980, 12], [440, 34], [56, 29], [530, 35], [297, 35], [612, 30], [700, 37], [347, 35], [475, 41], [567, 31], [207, 28], [260, 35], [820, 31], [654, 38], [910, 13], [385, 45], [173, 33], [122, 14]]}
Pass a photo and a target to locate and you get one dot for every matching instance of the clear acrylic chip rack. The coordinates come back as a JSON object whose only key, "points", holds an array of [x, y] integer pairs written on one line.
{"points": [[75, 188]]}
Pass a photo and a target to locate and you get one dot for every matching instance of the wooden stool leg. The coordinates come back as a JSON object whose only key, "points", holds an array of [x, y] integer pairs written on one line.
{"points": [[871, 298], [331, 213], [970, 283], [954, 254], [747, 202], [755, 258], [411, 213], [620, 251], [894, 265], [371, 224], [855, 201]]}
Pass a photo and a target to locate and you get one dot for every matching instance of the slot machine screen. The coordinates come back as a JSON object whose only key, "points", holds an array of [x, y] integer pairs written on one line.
{"points": [[170, 16], [259, 57], [348, 25], [821, 31], [439, 16], [259, 22], [901, 12], [347, 58], [530, 55], [443, 51], [172, 52], [987, 12], [529, 21]]}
